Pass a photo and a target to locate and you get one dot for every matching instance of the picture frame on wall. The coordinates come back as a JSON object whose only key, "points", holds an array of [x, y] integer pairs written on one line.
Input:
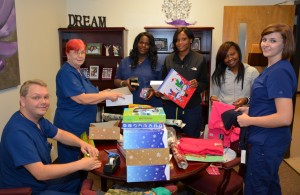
{"points": [[94, 72], [196, 45], [107, 73], [161, 44], [86, 72], [93, 48]]}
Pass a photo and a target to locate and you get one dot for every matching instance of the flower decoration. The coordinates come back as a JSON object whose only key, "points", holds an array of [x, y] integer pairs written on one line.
{"points": [[177, 11]]}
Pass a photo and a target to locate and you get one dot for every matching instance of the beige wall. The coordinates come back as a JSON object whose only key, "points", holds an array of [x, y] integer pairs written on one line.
{"points": [[38, 21]]}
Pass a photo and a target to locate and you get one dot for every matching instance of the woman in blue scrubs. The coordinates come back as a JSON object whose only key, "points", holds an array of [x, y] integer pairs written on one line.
{"points": [[77, 98], [270, 112], [141, 63]]}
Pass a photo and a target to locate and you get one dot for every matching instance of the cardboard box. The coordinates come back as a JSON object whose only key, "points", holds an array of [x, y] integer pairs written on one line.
{"points": [[128, 99], [150, 156], [104, 131], [141, 115], [148, 173], [145, 138]]}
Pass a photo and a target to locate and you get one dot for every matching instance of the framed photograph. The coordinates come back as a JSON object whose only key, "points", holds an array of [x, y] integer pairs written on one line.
{"points": [[161, 44], [86, 72], [94, 48], [196, 45], [107, 73], [171, 47], [94, 72]]}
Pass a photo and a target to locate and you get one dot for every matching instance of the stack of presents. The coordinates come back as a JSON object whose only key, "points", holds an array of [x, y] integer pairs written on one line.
{"points": [[144, 143]]}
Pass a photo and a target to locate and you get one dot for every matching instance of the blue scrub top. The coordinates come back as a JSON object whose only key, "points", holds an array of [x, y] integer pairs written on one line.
{"points": [[145, 74], [70, 115], [24, 143], [276, 81]]}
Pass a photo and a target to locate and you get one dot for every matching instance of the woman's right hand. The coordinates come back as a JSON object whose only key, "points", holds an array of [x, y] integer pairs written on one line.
{"points": [[213, 98], [111, 95], [127, 83]]}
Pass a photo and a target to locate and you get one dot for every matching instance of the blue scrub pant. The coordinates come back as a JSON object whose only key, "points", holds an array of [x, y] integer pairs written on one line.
{"points": [[191, 117], [262, 168], [67, 153]]}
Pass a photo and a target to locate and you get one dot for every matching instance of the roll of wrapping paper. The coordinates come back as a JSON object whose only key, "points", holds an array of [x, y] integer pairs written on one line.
{"points": [[178, 156], [110, 117], [174, 122]]}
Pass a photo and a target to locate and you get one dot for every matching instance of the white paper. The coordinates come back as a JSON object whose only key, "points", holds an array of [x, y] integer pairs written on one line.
{"points": [[155, 84], [128, 99], [243, 156]]}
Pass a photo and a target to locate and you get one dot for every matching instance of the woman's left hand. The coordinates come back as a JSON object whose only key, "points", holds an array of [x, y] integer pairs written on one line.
{"points": [[194, 83], [150, 94], [240, 102], [90, 150]]}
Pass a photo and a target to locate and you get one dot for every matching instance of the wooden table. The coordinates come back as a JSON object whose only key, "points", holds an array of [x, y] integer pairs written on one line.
{"points": [[120, 174]]}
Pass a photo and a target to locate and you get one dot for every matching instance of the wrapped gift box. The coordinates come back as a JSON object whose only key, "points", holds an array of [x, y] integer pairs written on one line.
{"points": [[157, 156], [142, 125], [148, 173], [104, 131], [145, 138], [141, 115]]}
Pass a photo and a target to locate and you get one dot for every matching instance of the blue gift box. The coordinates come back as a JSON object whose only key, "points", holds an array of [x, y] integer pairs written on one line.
{"points": [[145, 138], [148, 173]]}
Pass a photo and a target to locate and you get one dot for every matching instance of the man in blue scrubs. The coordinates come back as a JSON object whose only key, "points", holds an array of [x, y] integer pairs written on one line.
{"points": [[25, 150]]}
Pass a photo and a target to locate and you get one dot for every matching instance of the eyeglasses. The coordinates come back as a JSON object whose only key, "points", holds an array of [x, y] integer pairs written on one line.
{"points": [[39, 98], [78, 52]]}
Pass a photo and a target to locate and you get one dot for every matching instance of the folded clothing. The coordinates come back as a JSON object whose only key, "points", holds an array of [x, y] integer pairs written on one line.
{"points": [[201, 146], [230, 119]]}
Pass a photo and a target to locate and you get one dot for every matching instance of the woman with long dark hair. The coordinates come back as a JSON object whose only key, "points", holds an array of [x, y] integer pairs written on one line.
{"points": [[141, 64], [232, 79]]}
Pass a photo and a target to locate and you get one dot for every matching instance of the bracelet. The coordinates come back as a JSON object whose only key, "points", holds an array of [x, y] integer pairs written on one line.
{"points": [[121, 83], [248, 101]]}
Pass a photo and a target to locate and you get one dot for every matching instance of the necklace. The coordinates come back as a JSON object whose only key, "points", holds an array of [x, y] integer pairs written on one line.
{"points": [[141, 60], [28, 119]]}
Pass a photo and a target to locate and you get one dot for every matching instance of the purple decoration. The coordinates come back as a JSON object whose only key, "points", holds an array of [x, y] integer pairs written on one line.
{"points": [[7, 27], [180, 23], [2, 64]]}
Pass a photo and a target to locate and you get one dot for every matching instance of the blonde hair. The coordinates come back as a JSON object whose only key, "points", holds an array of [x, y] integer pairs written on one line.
{"points": [[25, 87]]}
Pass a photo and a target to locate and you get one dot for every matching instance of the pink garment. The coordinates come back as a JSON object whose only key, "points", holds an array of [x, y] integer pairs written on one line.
{"points": [[201, 146], [216, 128]]}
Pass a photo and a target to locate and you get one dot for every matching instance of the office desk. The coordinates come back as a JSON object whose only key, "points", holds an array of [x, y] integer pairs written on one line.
{"points": [[120, 174]]}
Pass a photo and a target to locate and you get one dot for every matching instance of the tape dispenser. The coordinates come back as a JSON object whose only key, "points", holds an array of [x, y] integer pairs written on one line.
{"points": [[113, 162]]}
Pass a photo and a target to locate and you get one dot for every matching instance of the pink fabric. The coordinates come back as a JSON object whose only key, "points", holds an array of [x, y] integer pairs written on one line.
{"points": [[235, 134], [216, 125], [200, 146]]}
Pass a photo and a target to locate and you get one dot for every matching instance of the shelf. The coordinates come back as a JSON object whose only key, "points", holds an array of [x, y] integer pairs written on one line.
{"points": [[105, 36]]}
